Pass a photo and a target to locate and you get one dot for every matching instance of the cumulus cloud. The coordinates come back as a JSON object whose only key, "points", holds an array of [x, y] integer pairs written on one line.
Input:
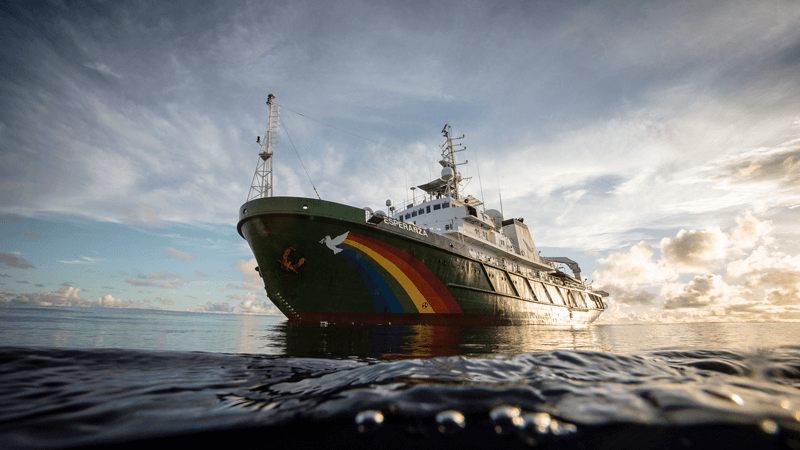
{"points": [[625, 296], [737, 275], [750, 232], [694, 251], [252, 305], [776, 273], [703, 291], [246, 267], [251, 280], [220, 307], [69, 296], [109, 301], [635, 266], [12, 260], [173, 253]]}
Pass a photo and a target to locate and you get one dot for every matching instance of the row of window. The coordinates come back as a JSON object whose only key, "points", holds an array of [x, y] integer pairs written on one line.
{"points": [[424, 210]]}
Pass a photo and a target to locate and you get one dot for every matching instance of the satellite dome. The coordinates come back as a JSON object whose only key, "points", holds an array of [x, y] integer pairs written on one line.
{"points": [[495, 215], [447, 173]]}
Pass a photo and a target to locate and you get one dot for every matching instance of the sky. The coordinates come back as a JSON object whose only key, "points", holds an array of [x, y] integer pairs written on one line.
{"points": [[656, 143]]}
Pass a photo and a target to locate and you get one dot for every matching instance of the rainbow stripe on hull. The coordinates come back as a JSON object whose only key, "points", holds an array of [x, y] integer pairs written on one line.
{"points": [[426, 292]]}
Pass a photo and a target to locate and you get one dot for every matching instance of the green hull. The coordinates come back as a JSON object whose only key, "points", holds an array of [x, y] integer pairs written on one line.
{"points": [[323, 262]]}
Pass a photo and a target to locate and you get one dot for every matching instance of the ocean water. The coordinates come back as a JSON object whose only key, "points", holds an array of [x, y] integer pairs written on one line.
{"points": [[95, 377]]}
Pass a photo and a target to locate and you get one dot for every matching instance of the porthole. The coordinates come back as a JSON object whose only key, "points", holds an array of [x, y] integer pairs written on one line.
{"points": [[305, 206]]}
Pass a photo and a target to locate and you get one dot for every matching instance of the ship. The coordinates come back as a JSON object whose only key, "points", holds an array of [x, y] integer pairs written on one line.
{"points": [[439, 258]]}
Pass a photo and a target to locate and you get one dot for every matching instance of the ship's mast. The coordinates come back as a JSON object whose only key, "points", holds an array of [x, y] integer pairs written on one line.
{"points": [[449, 150], [262, 179]]}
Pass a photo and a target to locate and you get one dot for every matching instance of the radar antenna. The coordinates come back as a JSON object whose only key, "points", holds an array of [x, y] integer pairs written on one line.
{"points": [[261, 186]]}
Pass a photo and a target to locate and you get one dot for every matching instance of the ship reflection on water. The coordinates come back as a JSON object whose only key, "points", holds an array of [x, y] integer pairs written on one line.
{"points": [[426, 341]]}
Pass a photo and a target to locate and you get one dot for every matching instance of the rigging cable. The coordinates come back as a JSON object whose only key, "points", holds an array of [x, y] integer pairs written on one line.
{"points": [[343, 131], [348, 132], [298, 157]]}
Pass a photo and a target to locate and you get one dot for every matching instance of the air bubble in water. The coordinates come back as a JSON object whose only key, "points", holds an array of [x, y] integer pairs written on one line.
{"points": [[562, 428], [369, 420], [536, 423], [505, 418], [533, 426], [450, 421], [769, 426]]}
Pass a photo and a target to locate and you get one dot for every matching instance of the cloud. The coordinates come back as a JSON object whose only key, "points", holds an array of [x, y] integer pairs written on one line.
{"points": [[201, 273], [246, 267], [251, 280], [69, 296], [220, 307], [629, 296], [702, 292], [164, 285], [750, 231], [165, 280], [12, 260], [780, 165], [252, 305], [102, 68], [83, 260], [167, 276], [252, 285], [64, 296], [737, 275], [695, 250], [143, 215], [172, 253], [635, 266], [109, 301], [774, 272]]}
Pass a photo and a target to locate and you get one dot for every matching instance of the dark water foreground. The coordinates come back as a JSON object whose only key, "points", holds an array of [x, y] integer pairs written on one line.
{"points": [[690, 398]]}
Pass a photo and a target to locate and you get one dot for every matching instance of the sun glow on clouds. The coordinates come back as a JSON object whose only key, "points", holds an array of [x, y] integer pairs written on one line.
{"points": [[737, 275]]}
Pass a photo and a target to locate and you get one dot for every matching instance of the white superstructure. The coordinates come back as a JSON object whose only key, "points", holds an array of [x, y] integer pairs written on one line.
{"points": [[490, 238]]}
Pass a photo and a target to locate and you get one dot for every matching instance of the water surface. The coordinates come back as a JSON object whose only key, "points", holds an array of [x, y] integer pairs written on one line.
{"points": [[83, 377]]}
